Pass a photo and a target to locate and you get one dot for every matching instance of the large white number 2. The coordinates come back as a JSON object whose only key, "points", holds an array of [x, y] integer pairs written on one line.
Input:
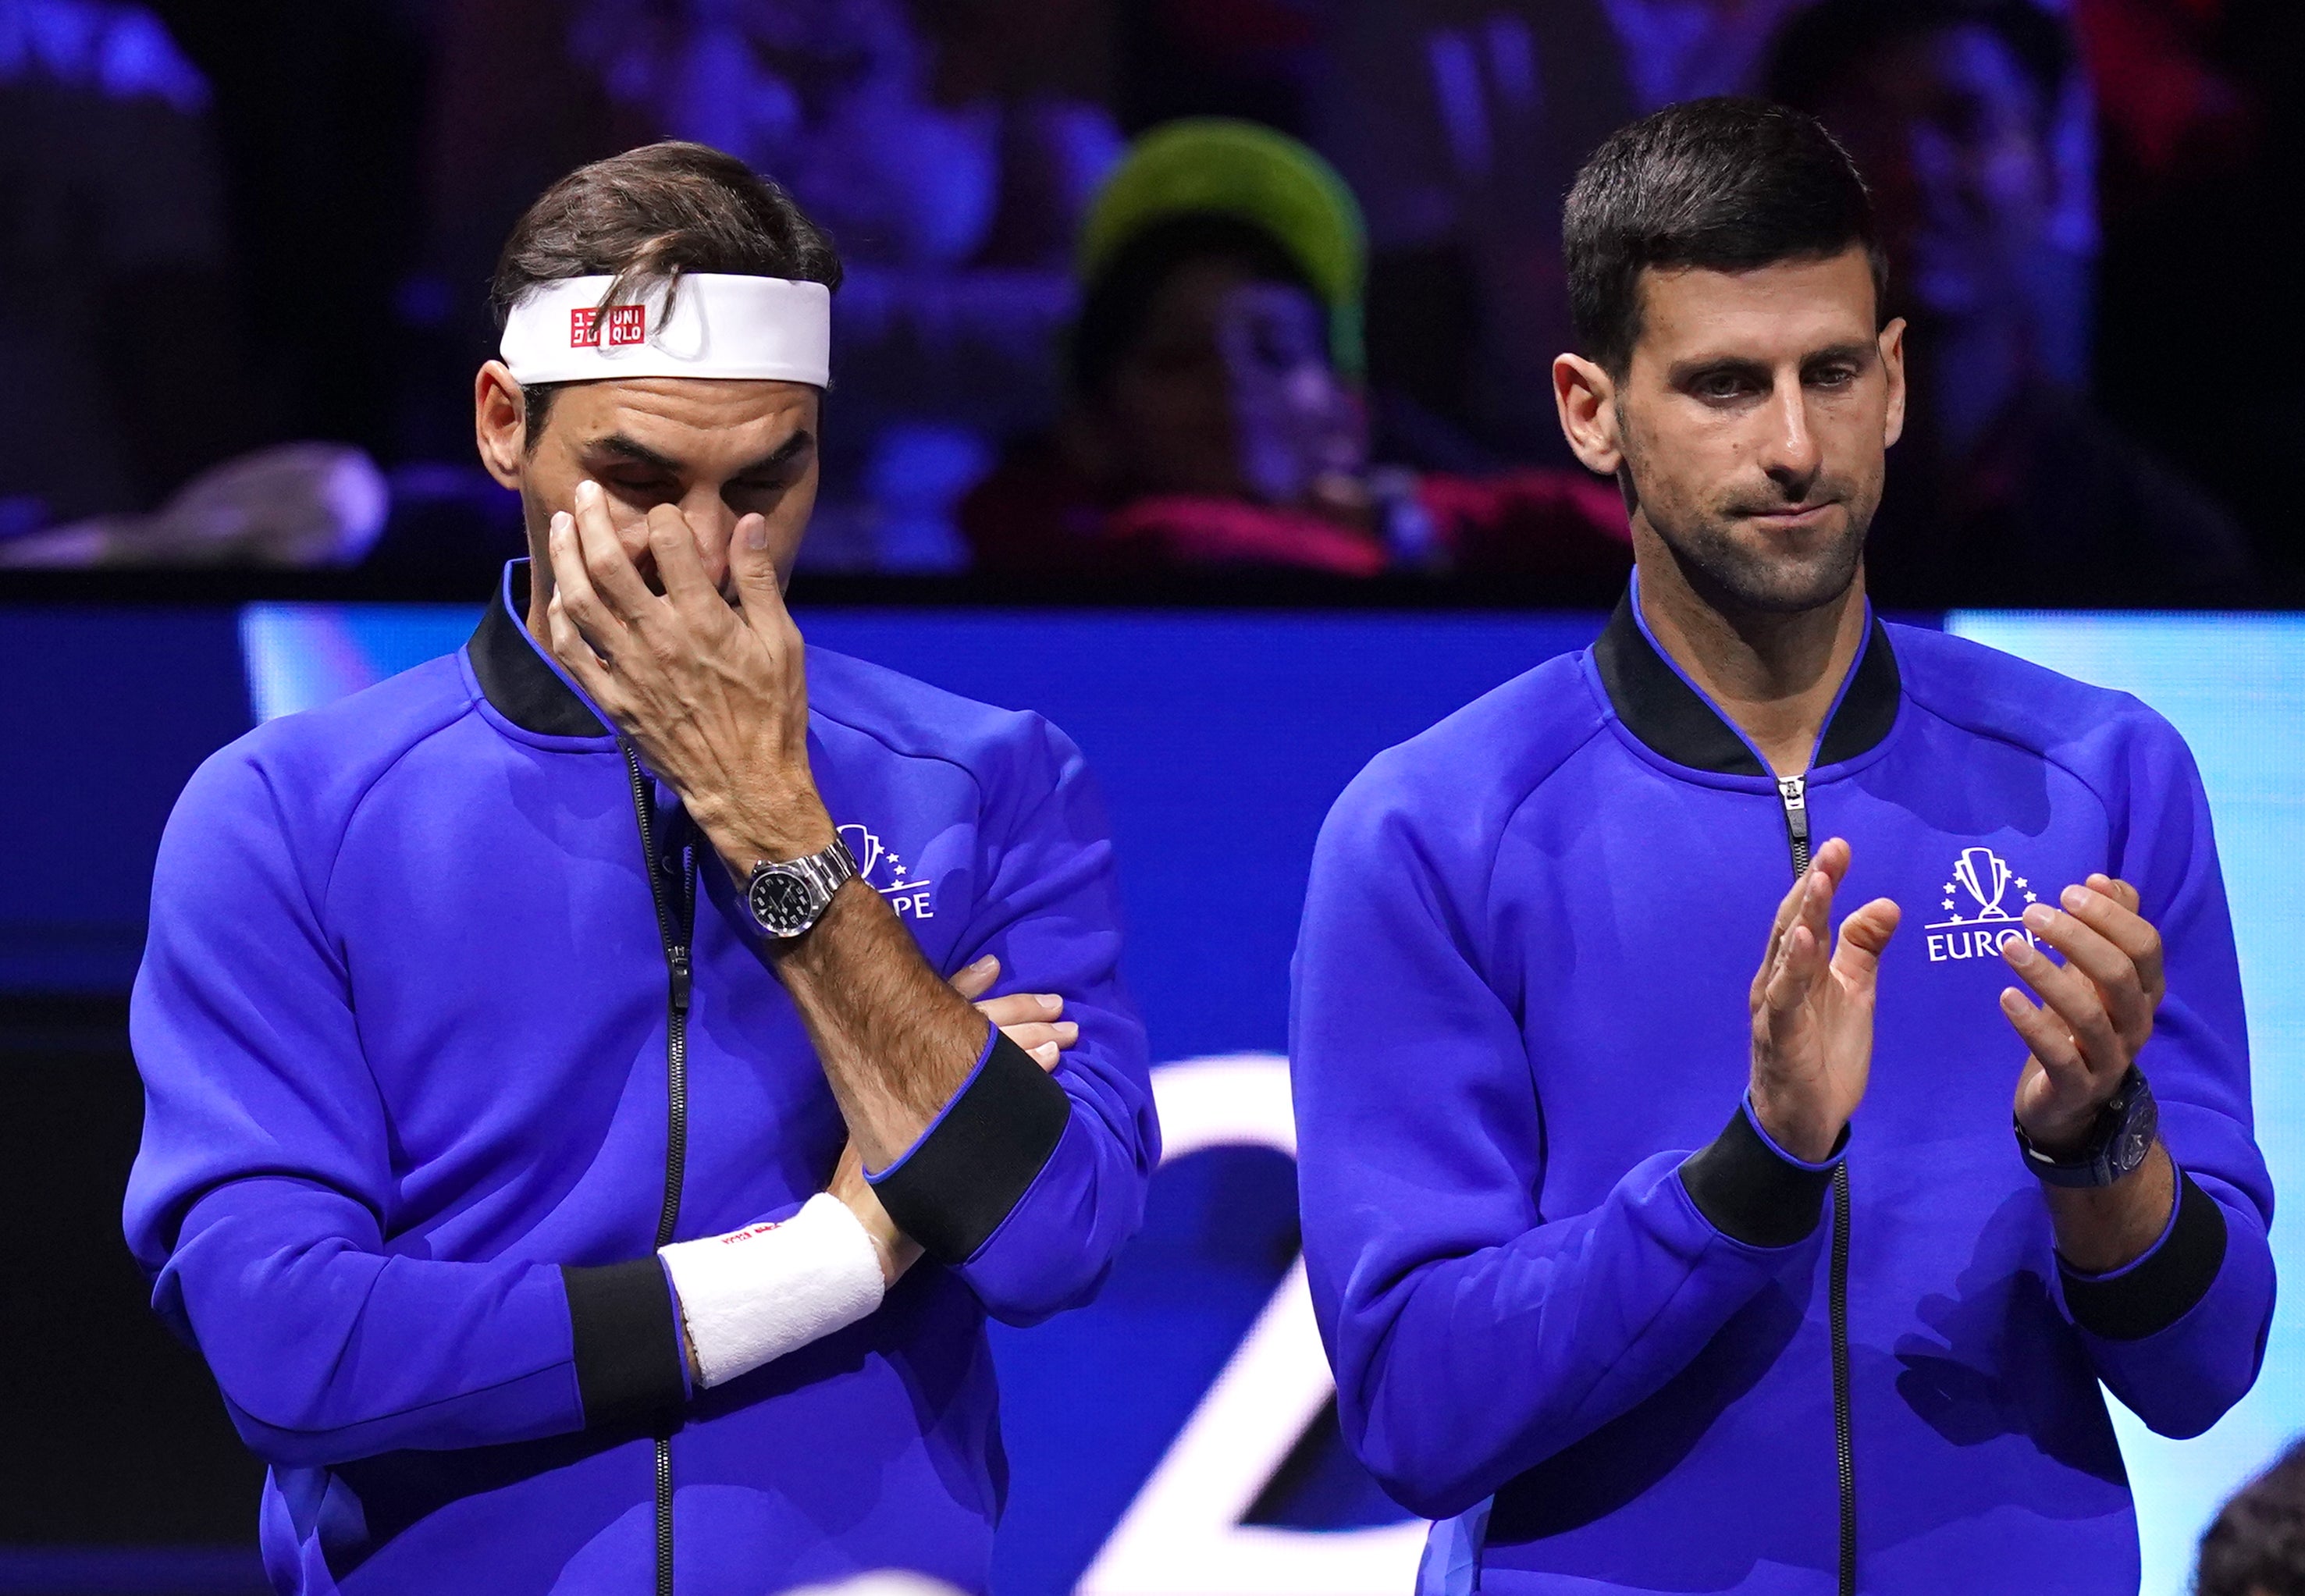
{"points": [[1183, 1535]]}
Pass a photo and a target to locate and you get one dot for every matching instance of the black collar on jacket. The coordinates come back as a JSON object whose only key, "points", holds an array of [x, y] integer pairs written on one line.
{"points": [[1673, 719], [512, 674]]}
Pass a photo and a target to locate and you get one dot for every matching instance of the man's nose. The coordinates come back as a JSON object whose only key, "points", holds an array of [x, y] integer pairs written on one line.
{"points": [[1790, 453]]}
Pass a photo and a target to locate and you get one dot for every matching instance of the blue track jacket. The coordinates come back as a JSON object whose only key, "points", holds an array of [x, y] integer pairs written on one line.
{"points": [[448, 1018], [1576, 1318]]}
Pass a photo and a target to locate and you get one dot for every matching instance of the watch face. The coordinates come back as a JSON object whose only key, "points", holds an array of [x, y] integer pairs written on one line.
{"points": [[782, 903], [2139, 1125]]}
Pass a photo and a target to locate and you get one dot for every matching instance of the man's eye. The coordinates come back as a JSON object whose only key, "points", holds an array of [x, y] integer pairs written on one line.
{"points": [[1723, 385], [1834, 376]]}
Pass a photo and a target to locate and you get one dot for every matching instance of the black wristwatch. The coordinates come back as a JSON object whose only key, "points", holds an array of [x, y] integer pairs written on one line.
{"points": [[2118, 1142], [787, 898]]}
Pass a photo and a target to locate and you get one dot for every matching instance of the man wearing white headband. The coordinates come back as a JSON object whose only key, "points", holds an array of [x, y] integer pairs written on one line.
{"points": [[572, 1139]]}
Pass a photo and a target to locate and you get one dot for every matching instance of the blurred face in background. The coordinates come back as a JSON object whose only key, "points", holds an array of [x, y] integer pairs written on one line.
{"points": [[1227, 391], [1952, 135]]}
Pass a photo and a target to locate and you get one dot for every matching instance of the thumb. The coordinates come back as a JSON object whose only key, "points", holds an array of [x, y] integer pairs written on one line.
{"points": [[1864, 936], [760, 587], [753, 565], [971, 981]]}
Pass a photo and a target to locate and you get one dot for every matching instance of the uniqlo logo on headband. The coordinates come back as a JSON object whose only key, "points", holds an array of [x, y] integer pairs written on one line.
{"points": [[627, 325]]}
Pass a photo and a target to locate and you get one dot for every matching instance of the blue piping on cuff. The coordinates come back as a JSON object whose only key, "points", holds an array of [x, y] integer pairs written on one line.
{"points": [[991, 1035], [1770, 1141], [2176, 1201]]}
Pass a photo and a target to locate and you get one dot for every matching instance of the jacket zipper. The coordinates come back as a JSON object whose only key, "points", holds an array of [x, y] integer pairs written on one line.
{"points": [[1792, 791], [674, 923]]}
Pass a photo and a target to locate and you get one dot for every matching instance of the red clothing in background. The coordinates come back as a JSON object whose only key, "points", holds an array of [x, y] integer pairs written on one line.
{"points": [[1036, 515]]}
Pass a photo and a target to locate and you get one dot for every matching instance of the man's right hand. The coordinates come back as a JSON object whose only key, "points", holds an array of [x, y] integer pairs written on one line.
{"points": [[1813, 1016]]}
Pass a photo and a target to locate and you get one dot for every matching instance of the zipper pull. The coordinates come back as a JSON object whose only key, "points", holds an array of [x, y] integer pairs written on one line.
{"points": [[678, 958], [1794, 791]]}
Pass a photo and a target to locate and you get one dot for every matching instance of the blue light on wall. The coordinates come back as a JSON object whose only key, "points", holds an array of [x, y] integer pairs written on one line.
{"points": [[2235, 687]]}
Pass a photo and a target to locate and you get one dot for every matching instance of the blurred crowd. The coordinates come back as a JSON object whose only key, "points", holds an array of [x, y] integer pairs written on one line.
{"points": [[1143, 285]]}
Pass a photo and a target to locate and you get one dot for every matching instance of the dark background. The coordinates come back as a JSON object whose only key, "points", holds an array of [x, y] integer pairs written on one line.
{"points": [[368, 156]]}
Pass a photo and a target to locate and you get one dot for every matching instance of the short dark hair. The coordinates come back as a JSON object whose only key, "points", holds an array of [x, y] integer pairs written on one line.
{"points": [[1116, 301], [1814, 51], [1725, 184], [644, 218], [2257, 1546]]}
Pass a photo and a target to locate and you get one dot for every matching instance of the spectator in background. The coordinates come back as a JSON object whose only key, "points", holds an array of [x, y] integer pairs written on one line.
{"points": [[1459, 124], [118, 364], [2008, 489], [953, 182], [1213, 416], [2257, 1546]]}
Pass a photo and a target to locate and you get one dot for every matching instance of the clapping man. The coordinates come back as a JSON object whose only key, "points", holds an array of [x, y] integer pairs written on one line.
{"points": [[1853, 1340]]}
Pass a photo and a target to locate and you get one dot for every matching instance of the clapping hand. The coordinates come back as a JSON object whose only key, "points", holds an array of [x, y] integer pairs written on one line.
{"points": [[1813, 1015], [2095, 1011]]}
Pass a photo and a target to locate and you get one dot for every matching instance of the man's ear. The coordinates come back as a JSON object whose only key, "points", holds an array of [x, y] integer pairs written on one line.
{"points": [[1586, 400], [499, 423], [1892, 365]]}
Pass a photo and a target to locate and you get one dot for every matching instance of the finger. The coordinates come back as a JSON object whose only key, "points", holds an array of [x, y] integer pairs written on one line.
{"points": [[1817, 905], [1033, 1038], [679, 558], [1831, 859], [614, 576], [1864, 936], [760, 590], [973, 980], [1048, 1056], [572, 587], [1798, 964], [2109, 907], [1023, 1008], [2073, 998], [2113, 970], [1800, 956], [578, 655], [1787, 909], [2050, 1044]]}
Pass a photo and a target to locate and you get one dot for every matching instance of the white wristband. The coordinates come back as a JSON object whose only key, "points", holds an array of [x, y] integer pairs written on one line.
{"points": [[758, 1293]]}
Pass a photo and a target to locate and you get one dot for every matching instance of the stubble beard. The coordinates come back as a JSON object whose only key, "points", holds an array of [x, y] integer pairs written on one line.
{"points": [[1734, 576]]}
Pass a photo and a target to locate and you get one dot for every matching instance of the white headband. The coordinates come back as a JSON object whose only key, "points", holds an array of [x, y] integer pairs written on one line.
{"points": [[720, 326]]}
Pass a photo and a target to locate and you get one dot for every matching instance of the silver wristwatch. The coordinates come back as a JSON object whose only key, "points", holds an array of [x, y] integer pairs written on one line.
{"points": [[787, 898]]}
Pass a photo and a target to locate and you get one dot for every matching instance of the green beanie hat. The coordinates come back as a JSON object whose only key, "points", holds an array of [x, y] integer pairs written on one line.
{"points": [[1241, 169]]}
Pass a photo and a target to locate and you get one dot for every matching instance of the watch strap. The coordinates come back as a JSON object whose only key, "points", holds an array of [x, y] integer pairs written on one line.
{"points": [[2118, 1142], [827, 870]]}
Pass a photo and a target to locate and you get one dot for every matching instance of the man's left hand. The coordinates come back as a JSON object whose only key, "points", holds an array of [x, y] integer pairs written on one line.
{"points": [[712, 692], [2096, 1009]]}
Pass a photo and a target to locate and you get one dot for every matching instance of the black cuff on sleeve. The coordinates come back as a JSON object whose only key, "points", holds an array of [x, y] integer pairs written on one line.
{"points": [[958, 1182], [627, 1341], [1750, 1191], [2161, 1288]]}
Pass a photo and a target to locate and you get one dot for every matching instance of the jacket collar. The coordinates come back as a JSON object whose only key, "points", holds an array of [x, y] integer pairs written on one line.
{"points": [[515, 676], [1664, 710]]}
